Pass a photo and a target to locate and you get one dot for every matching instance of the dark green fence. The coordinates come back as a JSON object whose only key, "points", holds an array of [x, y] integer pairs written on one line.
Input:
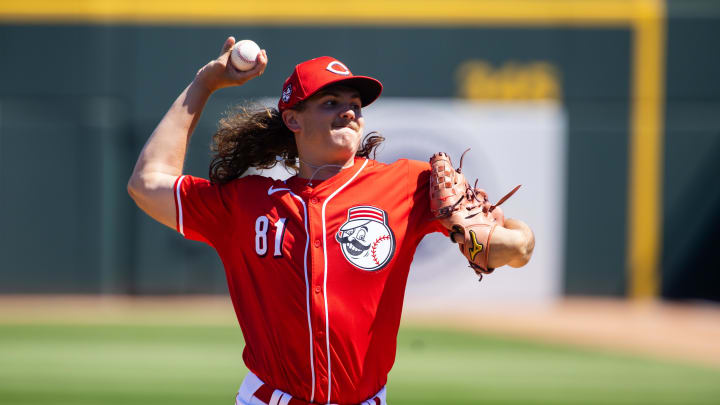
{"points": [[77, 102]]}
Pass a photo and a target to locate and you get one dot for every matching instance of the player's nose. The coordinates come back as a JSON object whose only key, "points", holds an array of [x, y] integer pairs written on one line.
{"points": [[348, 113]]}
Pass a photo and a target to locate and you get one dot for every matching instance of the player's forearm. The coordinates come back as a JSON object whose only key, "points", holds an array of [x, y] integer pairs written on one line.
{"points": [[162, 157], [165, 151], [511, 245], [151, 185]]}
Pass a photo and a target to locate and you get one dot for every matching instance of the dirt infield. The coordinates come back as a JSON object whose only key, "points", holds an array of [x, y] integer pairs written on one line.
{"points": [[686, 332]]}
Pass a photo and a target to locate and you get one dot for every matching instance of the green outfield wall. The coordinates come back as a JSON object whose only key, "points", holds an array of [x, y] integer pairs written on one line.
{"points": [[79, 96]]}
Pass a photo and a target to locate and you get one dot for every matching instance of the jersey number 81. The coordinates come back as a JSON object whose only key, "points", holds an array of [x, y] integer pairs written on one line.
{"points": [[262, 224]]}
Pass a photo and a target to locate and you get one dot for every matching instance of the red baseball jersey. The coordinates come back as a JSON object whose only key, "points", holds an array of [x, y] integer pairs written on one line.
{"points": [[317, 272]]}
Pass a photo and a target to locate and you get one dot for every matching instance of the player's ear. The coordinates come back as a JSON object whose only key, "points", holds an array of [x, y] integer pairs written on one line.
{"points": [[290, 118]]}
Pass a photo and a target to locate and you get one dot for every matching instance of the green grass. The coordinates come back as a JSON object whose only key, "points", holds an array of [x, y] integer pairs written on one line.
{"points": [[460, 368], [133, 364]]}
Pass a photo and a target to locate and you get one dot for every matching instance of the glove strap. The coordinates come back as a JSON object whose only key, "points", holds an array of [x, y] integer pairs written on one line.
{"points": [[476, 246]]}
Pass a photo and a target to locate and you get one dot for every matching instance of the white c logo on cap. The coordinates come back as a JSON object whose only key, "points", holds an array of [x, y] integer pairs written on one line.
{"points": [[334, 65]]}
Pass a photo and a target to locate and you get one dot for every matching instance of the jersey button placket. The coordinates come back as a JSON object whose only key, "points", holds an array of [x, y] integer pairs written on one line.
{"points": [[320, 332], [314, 201], [317, 297]]}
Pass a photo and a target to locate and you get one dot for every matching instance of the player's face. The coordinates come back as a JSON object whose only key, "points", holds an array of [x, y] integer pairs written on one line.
{"points": [[331, 126]]}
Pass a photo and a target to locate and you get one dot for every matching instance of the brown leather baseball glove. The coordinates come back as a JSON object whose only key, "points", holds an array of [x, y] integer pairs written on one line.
{"points": [[465, 211]]}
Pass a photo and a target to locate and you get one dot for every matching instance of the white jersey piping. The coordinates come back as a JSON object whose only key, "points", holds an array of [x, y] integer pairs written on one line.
{"points": [[178, 184], [327, 320], [307, 295]]}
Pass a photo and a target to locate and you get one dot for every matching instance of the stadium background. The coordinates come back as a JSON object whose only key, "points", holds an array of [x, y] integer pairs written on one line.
{"points": [[629, 87]]}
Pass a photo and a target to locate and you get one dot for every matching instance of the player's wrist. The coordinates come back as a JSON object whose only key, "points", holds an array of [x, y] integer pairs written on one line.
{"points": [[201, 87], [210, 77]]}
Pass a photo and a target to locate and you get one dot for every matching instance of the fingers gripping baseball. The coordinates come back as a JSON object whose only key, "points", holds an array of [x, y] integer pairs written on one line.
{"points": [[229, 42], [221, 73]]}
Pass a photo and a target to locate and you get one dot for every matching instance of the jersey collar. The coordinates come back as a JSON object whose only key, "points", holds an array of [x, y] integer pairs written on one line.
{"points": [[300, 185]]}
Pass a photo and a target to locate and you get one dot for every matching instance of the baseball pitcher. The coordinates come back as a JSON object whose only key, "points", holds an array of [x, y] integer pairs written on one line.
{"points": [[317, 264]]}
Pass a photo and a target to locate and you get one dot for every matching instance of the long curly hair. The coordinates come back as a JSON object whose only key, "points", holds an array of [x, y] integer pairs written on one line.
{"points": [[256, 136]]}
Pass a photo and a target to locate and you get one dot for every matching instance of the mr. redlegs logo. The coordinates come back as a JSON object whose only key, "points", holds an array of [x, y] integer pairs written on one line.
{"points": [[366, 239]]}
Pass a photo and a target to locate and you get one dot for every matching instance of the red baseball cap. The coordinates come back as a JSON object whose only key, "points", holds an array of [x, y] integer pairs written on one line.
{"points": [[311, 76]]}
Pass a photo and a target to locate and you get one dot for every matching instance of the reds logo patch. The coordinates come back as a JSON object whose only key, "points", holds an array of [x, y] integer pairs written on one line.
{"points": [[366, 239]]}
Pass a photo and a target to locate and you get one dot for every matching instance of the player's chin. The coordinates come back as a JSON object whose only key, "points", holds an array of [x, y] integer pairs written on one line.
{"points": [[352, 134], [346, 138]]}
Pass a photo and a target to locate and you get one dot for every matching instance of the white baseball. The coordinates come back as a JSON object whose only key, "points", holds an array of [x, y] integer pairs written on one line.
{"points": [[244, 54]]}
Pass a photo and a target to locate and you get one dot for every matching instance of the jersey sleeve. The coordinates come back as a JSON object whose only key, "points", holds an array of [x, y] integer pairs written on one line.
{"points": [[419, 194], [201, 208]]}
